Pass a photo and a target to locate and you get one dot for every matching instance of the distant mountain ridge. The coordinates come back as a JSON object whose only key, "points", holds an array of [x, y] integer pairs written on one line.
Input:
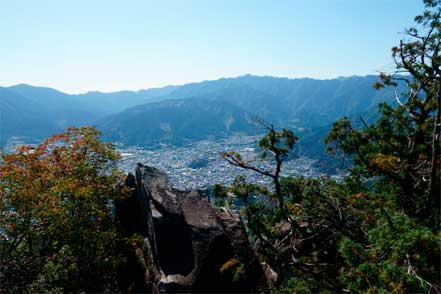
{"points": [[176, 114], [307, 106], [175, 122]]}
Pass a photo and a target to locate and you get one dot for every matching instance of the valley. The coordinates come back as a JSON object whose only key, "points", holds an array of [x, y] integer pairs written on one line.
{"points": [[176, 162], [209, 110]]}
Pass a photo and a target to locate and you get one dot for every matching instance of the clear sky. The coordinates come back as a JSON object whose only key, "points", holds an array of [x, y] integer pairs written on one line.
{"points": [[77, 46]]}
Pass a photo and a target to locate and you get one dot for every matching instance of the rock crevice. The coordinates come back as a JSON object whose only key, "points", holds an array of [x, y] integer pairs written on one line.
{"points": [[186, 240]]}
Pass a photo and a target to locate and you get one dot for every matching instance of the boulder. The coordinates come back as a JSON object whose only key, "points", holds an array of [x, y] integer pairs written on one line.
{"points": [[186, 241]]}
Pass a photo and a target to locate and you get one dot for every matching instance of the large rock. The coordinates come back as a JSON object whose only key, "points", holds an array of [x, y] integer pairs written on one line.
{"points": [[186, 241]]}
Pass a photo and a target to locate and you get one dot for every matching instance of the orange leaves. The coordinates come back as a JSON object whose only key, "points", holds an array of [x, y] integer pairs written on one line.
{"points": [[10, 227], [57, 204], [385, 163], [232, 263], [362, 195], [69, 178], [294, 208]]}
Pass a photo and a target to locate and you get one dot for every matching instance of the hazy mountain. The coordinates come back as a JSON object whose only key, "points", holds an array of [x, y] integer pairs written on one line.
{"points": [[39, 112], [175, 114], [60, 108], [109, 103], [306, 105], [18, 116], [317, 101], [176, 122]]}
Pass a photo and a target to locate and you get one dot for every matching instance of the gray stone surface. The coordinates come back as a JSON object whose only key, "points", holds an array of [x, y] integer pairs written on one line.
{"points": [[186, 240]]}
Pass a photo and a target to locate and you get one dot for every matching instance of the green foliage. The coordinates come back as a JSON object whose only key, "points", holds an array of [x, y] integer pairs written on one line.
{"points": [[333, 236], [296, 285], [275, 147], [277, 142], [403, 146], [220, 196], [235, 268], [243, 190], [400, 258], [378, 231], [57, 221]]}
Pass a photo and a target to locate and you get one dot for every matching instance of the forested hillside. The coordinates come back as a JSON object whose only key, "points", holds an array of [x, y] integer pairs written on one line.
{"points": [[72, 222], [307, 106]]}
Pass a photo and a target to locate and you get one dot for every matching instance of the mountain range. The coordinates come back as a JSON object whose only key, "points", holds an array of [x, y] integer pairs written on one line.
{"points": [[209, 109]]}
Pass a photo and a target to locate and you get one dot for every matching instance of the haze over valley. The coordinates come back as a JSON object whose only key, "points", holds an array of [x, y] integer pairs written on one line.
{"points": [[180, 116], [225, 146], [175, 115]]}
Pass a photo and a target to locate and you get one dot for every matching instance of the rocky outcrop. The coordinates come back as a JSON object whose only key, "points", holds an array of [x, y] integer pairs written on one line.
{"points": [[187, 245]]}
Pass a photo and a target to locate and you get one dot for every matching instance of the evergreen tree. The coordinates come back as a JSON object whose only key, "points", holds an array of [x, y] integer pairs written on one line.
{"points": [[379, 229]]}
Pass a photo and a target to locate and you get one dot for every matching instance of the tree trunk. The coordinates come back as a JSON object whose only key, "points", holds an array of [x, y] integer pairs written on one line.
{"points": [[435, 151]]}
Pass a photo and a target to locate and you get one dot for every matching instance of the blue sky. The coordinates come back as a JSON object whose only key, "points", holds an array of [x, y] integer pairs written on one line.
{"points": [[77, 46]]}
